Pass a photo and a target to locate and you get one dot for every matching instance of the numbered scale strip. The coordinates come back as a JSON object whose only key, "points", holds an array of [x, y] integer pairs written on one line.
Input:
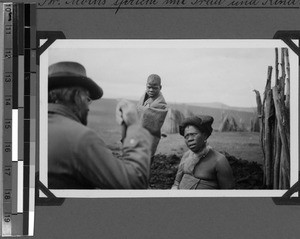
{"points": [[18, 164], [17, 110], [7, 118]]}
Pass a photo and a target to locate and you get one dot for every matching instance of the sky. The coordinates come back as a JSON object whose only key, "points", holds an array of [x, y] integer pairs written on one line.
{"points": [[192, 71]]}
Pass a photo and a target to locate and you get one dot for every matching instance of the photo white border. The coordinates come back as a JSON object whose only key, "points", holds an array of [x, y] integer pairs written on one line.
{"points": [[153, 193]]}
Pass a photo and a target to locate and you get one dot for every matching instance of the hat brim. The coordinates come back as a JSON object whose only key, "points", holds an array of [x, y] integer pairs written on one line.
{"points": [[55, 82]]}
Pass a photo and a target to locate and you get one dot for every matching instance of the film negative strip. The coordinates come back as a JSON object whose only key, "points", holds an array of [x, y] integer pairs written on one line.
{"points": [[19, 118]]}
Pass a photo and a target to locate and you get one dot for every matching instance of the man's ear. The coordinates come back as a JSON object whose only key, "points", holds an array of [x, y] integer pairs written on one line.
{"points": [[78, 99], [160, 87]]}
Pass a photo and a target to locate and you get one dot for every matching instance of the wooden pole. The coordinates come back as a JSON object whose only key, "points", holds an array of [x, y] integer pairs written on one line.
{"points": [[276, 67], [283, 173], [277, 141], [260, 114], [282, 126], [258, 102], [287, 100], [283, 74], [277, 157], [268, 129]]}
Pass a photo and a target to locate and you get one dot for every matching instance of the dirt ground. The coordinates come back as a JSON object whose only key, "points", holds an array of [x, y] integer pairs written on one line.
{"points": [[247, 175]]}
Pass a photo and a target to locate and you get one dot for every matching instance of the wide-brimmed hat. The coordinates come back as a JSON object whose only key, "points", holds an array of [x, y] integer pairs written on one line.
{"points": [[69, 74], [202, 122]]}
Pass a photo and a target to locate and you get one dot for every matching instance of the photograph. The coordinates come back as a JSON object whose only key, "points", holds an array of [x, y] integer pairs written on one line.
{"points": [[168, 118]]}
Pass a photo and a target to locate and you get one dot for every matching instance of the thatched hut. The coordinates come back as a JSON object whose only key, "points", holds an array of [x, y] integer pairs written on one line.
{"points": [[172, 121], [229, 124], [242, 125]]}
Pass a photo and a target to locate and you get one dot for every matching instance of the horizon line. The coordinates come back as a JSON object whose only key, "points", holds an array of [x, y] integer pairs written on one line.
{"points": [[186, 103]]}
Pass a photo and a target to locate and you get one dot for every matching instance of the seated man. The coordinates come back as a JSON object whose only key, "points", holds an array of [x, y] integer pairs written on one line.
{"points": [[77, 157], [152, 109], [201, 167]]}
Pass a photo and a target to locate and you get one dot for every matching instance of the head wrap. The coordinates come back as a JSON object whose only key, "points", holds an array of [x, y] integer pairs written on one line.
{"points": [[202, 122]]}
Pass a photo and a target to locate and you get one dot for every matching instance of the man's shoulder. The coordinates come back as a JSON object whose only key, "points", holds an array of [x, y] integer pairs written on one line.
{"points": [[64, 125], [142, 99], [162, 98], [159, 102]]}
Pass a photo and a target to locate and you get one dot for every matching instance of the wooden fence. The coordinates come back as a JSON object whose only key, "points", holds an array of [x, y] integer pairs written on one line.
{"points": [[274, 114]]}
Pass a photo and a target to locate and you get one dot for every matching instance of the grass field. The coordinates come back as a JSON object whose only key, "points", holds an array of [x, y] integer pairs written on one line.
{"points": [[242, 145]]}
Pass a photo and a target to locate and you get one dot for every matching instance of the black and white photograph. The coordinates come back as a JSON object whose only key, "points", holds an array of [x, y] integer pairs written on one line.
{"points": [[168, 118]]}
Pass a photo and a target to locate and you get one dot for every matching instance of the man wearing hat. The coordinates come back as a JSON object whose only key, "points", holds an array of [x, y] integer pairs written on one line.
{"points": [[201, 167], [77, 157], [152, 108]]}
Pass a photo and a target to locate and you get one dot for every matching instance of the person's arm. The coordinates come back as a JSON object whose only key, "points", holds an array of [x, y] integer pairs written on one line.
{"points": [[224, 173], [97, 164], [104, 170]]}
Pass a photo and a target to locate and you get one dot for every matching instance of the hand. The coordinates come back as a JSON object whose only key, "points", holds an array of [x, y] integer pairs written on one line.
{"points": [[126, 112]]}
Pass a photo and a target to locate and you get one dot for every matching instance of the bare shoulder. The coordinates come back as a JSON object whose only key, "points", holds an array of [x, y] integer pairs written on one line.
{"points": [[220, 158], [217, 154]]}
